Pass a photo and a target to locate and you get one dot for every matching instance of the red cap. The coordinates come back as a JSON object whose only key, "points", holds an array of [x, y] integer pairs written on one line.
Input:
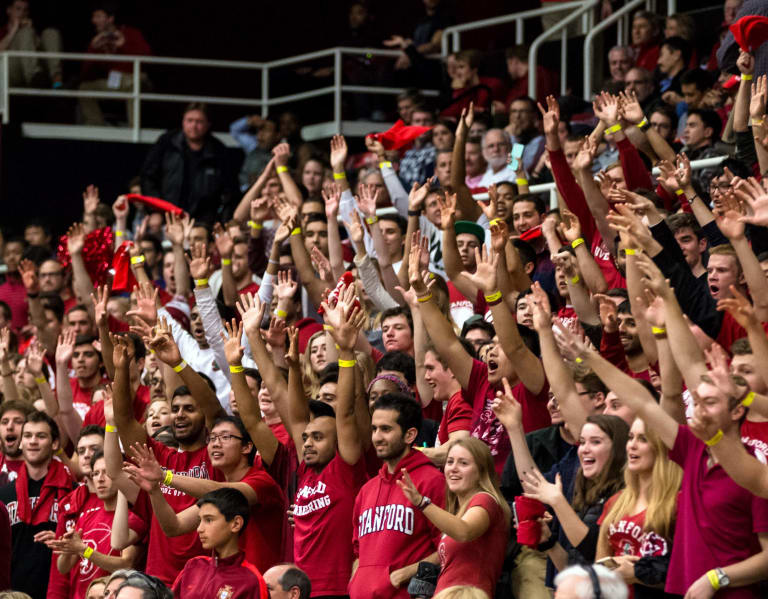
{"points": [[399, 135], [307, 327], [750, 32]]}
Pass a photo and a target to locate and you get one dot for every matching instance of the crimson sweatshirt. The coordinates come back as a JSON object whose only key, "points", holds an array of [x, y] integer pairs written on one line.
{"points": [[389, 532], [207, 577]]}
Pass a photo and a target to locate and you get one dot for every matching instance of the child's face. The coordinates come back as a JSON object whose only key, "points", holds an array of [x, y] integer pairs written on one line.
{"points": [[463, 71], [214, 530]]}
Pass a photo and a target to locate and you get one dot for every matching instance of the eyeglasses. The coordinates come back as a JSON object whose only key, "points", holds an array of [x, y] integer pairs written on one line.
{"points": [[501, 144], [223, 437], [719, 186]]}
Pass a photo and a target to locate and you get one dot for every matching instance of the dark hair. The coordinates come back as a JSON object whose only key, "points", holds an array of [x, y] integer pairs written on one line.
{"points": [[98, 454], [591, 382], [319, 408], [478, 323], [230, 502], [762, 256], [741, 347], [206, 226], [526, 251], [91, 429], [15, 405], [587, 493], [253, 373], [519, 51], [684, 220], [535, 199], [396, 218], [78, 308], [624, 308], [156, 244], [652, 19], [738, 167], [52, 301], [617, 292], [5, 310], [37, 254], [398, 311], [329, 374], [108, 6], [295, 577], [710, 119], [411, 94], [316, 217], [471, 56], [667, 111], [408, 410], [207, 379], [38, 416], [698, 77], [678, 44], [150, 586], [139, 349], [180, 390], [200, 106], [467, 345], [400, 362]]}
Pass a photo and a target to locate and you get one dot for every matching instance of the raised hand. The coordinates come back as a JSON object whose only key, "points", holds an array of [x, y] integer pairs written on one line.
{"points": [[653, 278], [491, 205], [728, 216], [606, 107], [90, 199], [339, 153], [282, 154], [283, 232], [542, 311], [630, 108], [683, 171], [374, 146], [409, 488], [35, 359], [5, 343], [537, 487], [251, 312], [146, 304], [567, 263], [332, 197], [745, 63], [447, 210], [569, 226], [759, 93], [28, 272], [286, 287], [174, 229], [652, 306], [366, 201], [121, 354], [507, 409], [200, 266], [571, 345], [109, 410], [100, 298], [292, 355], [419, 193], [754, 197], [499, 236], [609, 313], [285, 209], [586, 155], [275, 333], [484, 276], [355, 229], [321, 263], [740, 308], [232, 348], [224, 242], [260, 208], [164, 345], [414, 270], [550, 116], [639, 204], [145, 472], [629, 226], [65, 348], [76, 239], [346, 318], [120, 208]]}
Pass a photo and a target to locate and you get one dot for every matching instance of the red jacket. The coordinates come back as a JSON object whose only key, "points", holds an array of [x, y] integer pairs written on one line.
{"points": [[212, 578], [389, 532]]}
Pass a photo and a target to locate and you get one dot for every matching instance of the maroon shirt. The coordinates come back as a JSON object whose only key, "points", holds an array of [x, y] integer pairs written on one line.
{"points": [[231, 578]]}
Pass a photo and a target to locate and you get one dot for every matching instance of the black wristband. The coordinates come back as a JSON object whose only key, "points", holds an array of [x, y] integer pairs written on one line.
{"points": [[549, 544], [33, 295], [414, 213]]}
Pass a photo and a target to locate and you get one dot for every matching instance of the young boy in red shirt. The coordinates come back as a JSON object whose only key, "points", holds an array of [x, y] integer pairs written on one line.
{"points": [[223, 516]]}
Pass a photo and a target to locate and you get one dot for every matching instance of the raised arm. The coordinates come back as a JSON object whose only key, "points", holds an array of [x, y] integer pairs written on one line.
{"points": [[332, 197], [451, 257], [28, 272], [466, 205], [128, 428], [174, 232], [282, 154], [113, 455], [68, 416], [81, 280], [570, 229], [295, 411], [254, 191]]}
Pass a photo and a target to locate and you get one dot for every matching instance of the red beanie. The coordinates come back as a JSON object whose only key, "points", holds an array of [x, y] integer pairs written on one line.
{"points": [[750, 32], [307, 327]]}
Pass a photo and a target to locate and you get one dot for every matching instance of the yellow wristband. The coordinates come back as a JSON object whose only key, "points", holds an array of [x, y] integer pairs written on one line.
{"points": [[180, 366], [339, 176], [346, 363], [493, 297], [327, 327], [119, 233], [577, 242], [578, 360], [658, 330], [110, 428], [256, 226], [614, 129], [296, 231], [715, 440], [575, 279], [642, 123], [201, 282], [747, 401], [714, 579], [757, 121], [495, 221], [679, 192], [424, 298], [168, 478], [40, 380], [522, 181], [88, 552], [59, 451], [235, 369], [371, 219], [746, 77], [630, 252], [385, 163], [226, 261], [282, 169], [281, 313], [137, 259]]}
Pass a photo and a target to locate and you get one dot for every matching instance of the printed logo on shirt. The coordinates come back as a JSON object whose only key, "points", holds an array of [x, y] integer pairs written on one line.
{"points": [[601, 252], [225, 592], [759, 447], [395, 517], [200, 471], [316, 504], [13, 510]]}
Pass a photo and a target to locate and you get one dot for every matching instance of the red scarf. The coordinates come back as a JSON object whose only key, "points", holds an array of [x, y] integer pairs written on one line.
{"points": [[57, 483]]}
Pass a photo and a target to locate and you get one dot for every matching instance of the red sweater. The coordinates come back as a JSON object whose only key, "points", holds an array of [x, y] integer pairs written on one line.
{"points": [[134, 45], [212, 578]]}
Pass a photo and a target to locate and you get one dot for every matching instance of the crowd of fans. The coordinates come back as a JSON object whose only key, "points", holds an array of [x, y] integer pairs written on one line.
{"points": [[400, 373]]}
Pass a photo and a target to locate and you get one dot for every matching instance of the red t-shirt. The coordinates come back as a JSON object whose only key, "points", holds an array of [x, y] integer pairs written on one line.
{"points": [[81, 397], [283, 472], [281, 434], [96, 524], [9, 469], [717, 520], [95, 414], [627, 537], [475, 563], [755, 436], [13, 293], [265, 524], [166, 556], [569, 317], [249, 288], [485, 425], [323, 523], [456, 417]]}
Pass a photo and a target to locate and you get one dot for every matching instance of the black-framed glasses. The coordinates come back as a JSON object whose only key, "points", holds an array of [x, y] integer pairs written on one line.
{"points": [[223, 437]]}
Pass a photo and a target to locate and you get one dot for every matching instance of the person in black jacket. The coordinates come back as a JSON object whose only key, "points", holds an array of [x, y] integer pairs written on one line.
{"points": [[189, 167]]}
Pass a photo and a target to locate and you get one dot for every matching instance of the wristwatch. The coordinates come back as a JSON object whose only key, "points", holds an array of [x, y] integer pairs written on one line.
{"points": [[722, 577]]}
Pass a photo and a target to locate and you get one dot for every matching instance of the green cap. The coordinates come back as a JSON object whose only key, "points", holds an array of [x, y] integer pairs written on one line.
{"points": [[467, 226]]}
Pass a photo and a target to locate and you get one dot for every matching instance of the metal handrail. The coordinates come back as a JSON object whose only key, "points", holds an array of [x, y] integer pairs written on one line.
{"points": [[586, 8], [589, 40], [455, 30]]}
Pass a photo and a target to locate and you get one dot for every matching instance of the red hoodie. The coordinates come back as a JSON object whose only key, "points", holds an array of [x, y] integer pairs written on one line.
{"points": [[389, 532]]}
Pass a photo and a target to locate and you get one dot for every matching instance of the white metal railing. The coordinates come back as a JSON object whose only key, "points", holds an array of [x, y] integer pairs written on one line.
{"points": [[551, 188], [136, 96]]}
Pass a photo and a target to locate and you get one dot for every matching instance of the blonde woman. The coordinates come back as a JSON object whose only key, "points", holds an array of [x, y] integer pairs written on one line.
{"points": [[638, 522], [475, 523], [313, 361]]}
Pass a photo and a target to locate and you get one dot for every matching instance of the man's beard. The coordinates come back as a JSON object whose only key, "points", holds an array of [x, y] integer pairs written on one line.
{"points": [[497, 163]]}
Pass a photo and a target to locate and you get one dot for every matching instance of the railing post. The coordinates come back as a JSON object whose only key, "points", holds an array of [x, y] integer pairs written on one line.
{"points": [[563, 61], [456, 41], [337, 90], [264, 90], [136, 100], [6, 94], [519, 31]]}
